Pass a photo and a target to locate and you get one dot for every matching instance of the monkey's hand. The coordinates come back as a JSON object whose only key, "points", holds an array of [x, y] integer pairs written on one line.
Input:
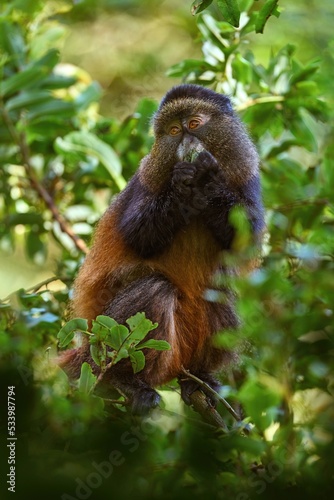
{"points": [[190, 176], [196, 185]]}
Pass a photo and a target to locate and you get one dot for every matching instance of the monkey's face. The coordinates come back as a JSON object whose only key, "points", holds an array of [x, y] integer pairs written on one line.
{"points": [[192, 119], [187, 126], [185, 131]]}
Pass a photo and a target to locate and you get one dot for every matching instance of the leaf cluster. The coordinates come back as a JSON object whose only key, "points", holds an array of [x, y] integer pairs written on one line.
{"points": [[56, 150], [111, 342]]}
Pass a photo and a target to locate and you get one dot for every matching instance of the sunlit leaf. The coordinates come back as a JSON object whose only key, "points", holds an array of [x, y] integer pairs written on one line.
{"points": [[87, 379], [137, 359], [268, 9], [117, 336], [106, 321], [66, 334], [90, 145], [159, 345], [230, 11], [199, 5], [140, 326], [28, 98]]}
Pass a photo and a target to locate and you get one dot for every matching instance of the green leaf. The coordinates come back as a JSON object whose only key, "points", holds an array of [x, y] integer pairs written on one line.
{"points": [[91, 94], [100, 332], [122, 353], [302, 73], [24, 79], [28, 98], [31, 75], [90, 145], [106, 321], [242, 69], [267, 10], [199, 5], [35, 246], [230, 11], [145, 110], [48, 60], [196, 66], [12, 41], [140, 326], [117, 336], [259, 400], [87, 378], [137, 359], [66, 333], [159, 345], [54, 107], [301, 129], [27, 218], [98, 353], [54, 81]]}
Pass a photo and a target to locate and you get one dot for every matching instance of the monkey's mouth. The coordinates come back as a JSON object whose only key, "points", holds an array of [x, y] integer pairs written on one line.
{"points": [[189, 149]]}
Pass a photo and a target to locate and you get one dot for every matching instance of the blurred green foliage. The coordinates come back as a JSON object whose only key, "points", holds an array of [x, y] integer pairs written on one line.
{"points": [[60, 163]]}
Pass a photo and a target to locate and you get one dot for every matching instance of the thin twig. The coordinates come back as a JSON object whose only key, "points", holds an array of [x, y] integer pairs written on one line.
{"points": [[260, 100], [46, 282], [214, 393], [19, 139], [301, 203], [208, 413]]}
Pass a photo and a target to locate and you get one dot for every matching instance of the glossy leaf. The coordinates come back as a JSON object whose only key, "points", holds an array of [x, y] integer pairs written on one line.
{"points": [[92, 93], [122, 354], [28, 98], [87, 379], [90, 145], [140, 326], [268, 9], [12, 41], [66, 334], [28, 218], [230, 11], [29, 77], [137, 359], [159, 345], [117, 336], [106, 321], [199, 5]]}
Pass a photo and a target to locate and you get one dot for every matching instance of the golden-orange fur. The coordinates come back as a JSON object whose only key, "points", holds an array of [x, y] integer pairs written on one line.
{"points": [[159, 246]]}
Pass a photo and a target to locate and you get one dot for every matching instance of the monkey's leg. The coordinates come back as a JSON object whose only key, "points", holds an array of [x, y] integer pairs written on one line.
{"points": [[210, 359], [155, 296]]}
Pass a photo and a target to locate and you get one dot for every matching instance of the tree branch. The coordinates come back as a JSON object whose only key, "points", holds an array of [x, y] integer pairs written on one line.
{"points": [[19, 139], [260, 100], [207, 412], [214, 393]]}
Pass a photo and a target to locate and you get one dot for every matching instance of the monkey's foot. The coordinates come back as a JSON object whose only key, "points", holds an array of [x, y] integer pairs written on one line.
{"points": [[188, 386], [144, 400]]}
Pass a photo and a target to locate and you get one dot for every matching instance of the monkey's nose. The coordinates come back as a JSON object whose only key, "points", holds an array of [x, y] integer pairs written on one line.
{"points": [[189, 148]]}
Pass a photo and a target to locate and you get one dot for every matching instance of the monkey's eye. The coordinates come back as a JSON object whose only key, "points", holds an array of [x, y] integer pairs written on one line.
{"points": [[174, 130], [194, 123]]}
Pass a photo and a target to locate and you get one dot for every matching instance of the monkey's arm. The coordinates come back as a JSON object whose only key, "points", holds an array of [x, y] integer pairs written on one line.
{"points": [[222, 202], [148, 221], [220, 199]]}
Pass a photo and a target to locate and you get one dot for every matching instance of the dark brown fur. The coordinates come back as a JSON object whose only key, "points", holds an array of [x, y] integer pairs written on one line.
{"points": [[159, 244]]}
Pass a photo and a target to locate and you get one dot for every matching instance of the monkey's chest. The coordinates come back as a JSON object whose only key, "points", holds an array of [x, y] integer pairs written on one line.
{"points": [[191, 259]]}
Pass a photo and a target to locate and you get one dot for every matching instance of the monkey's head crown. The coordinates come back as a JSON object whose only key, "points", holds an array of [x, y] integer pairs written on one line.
{"points": [[188, 90]]}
